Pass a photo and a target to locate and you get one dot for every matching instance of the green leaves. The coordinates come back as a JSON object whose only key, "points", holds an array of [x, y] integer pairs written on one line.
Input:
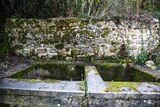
{"points": [[142, 57], [98, 1], [4, 48]]}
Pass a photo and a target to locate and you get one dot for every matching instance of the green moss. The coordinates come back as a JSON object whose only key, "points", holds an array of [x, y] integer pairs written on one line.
{"points": [[105, 33], [82, 85], [56, 71], [88, 33], [4, 45], [36, 80], [9, 23], [87, 70], [4, 105], [84, 23], [5, 48], [71, 20], [59, 46], [111, 71], [140, 76], [85, 80], [115, 86], [95, 21], [20, 74], [155, 83], [117, 72]]}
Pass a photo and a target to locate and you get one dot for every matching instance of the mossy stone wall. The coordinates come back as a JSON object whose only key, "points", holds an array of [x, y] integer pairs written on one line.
{"points": [[73, 37]]}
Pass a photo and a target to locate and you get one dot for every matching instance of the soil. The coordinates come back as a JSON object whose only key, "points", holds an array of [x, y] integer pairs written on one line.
{"points": [[12, 60]]}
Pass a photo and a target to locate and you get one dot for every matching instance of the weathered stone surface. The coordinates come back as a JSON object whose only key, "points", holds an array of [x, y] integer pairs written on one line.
{"points": [[14, 70], [49, 38], [123, 103], [24, 93], [145, 87], [151, 64], [95, 84], [149, 71]]}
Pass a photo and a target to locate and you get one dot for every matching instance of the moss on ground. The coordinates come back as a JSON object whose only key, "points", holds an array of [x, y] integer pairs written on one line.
{"points": [[82, 85], [20, 74], [37, 80], [115, 86]]}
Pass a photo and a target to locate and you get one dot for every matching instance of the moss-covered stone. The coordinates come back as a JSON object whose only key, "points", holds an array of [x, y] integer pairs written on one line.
{"points": [[116, 86], [143, 76], [59, 46], [111, 71], [105, 33], [82, 85], [37, 80], [73, 32], [55, 71], [118, 72], [5, 48]]}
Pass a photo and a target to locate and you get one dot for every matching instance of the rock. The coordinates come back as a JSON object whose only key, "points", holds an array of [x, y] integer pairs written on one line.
{"points": [[155, 20], [145, 87], [151, 64], [26, 52], [18, 51]]}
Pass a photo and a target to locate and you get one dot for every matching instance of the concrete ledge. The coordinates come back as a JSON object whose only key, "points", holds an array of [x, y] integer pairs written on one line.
{"points": [[60, 89], [125, 95], [97, 97], [69, 93], [95, 83], [149, 71], [27, 94]]}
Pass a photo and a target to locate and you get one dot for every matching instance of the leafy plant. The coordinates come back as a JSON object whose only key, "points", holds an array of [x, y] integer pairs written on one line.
{"points": [[4, 48], [142, 57]]}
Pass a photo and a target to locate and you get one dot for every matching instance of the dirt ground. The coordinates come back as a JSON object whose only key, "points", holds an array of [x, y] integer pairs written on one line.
{"points": [[12, 60]]}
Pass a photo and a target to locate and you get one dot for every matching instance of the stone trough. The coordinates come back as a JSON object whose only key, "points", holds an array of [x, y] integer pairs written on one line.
{"points": [[66, 84]]}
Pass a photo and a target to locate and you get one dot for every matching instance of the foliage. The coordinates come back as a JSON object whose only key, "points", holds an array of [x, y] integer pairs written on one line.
{"points": [[4, 48], [142, 57], [64, 8]]}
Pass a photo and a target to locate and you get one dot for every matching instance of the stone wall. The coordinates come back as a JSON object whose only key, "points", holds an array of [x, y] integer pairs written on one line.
{"points": [[80, 37]]}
